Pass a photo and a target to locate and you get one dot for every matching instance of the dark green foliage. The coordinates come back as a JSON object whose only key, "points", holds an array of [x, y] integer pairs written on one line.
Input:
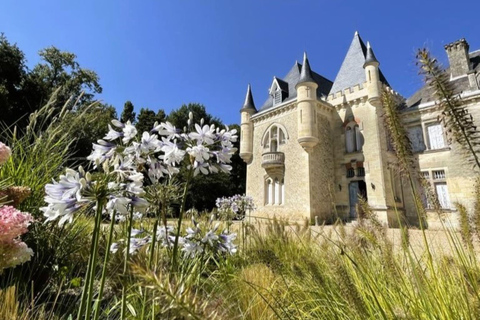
{"points": [[179, 117], [455, 116], [94, 127], [147, 118], [127, 113], [12, 72], [23, 91]]}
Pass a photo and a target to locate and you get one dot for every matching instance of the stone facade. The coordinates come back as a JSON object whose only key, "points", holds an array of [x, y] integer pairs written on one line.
{"points": [[311, 151]]}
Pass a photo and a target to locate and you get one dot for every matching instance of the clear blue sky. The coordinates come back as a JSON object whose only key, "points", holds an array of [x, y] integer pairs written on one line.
{"points": [[161, 54]]}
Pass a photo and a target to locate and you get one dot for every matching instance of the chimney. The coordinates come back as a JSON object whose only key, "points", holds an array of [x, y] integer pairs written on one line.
{"points": [[458, 58]]}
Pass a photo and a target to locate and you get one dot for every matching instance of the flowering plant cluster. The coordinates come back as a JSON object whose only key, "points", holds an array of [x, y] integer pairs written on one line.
{"points": [[121, 157], [197, 239], [13, 224], [235, 206]]}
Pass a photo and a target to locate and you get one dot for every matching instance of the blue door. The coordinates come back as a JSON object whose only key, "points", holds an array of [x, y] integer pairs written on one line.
{"points": [[353, 190]]}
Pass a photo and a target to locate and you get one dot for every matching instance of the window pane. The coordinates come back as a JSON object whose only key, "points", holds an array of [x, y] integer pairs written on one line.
{"points": [[442, 194], [358, 139], [435, 136], [415, 135], [349, 139]]}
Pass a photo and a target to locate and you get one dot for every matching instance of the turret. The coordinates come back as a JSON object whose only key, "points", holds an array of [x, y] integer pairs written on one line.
{"points": [[246, 134], [306, 101], [373, 76]]}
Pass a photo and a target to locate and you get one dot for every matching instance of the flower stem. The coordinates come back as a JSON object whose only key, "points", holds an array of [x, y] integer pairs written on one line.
{"points": [[98, 222], [180, 218], [150, 262], [91, 261], [125, 265], [104, 271]]}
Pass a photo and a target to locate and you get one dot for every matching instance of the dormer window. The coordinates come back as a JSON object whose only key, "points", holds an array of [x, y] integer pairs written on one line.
{"points": [[278, 91]]}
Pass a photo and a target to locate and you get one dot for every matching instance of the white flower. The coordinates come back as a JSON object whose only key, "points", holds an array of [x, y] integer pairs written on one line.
{"points": [[114, 247], [166, 129], [210, 237], [119, 204], [191, 248], [173, 154], [200, 167], [102, 150], [204, 134], [112, 134], [149, 142], [129, 132], [199, 152]]}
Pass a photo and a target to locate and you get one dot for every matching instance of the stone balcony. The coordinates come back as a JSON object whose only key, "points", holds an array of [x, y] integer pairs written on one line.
{"points": [[273, 163]]}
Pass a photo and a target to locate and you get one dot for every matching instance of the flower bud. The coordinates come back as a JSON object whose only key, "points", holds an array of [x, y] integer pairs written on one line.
{"points": [[202, 121], [190, 115], [189, 122]]}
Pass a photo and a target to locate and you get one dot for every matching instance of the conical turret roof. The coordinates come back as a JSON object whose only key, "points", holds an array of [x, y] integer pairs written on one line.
{"points": [[370, 58], [249, 105], [306, 72]]}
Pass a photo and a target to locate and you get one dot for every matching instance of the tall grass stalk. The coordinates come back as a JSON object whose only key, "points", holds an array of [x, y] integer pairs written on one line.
{"points": [[125, 264]]}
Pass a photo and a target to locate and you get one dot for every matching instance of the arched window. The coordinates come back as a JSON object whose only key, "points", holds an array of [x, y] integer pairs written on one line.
{"points": [[353, 138], [274, 191], [274, 136]]}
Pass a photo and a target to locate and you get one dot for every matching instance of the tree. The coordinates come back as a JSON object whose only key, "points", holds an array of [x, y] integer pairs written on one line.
{"points": [[12, 73], [147, 118], [179, 117], [127, 113], [22, 91]]}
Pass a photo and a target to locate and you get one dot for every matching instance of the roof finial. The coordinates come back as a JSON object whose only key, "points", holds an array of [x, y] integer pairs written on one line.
{"points": [[249, 105], [356, 33], [306, 72]]}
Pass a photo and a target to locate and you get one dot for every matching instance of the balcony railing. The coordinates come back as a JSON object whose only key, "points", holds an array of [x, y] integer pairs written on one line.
{"points": [[273, 159]]}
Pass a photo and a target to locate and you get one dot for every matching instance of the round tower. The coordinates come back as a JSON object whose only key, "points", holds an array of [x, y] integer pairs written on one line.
{"points": [[246, 125], [306, 100], [373, 76]]}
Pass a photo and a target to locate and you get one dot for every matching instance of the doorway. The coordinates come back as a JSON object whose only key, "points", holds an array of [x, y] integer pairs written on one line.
{"points": [[356, 189]]}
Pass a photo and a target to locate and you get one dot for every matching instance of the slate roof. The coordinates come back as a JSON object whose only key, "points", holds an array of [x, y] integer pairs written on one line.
{"points": [[289, 82], [425, 94], [249, 105], [351, 72]]}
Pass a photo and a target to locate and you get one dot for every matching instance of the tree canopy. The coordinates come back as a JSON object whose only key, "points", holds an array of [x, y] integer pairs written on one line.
{"points": [[23, 91]]}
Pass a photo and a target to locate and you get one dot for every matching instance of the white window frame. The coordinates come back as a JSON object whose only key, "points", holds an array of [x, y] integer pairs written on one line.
{"points": [[438, 177], [427, 138]]}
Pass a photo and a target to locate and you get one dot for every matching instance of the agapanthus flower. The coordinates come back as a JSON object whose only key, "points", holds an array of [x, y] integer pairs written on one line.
{"points": [[129, 132], [172, 153], [166, 129], [64, 197], [204, 134], [112, 134]]}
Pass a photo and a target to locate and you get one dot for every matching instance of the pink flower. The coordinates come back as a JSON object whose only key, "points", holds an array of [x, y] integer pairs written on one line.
{"points": [[13, 223], [5, 153]]}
